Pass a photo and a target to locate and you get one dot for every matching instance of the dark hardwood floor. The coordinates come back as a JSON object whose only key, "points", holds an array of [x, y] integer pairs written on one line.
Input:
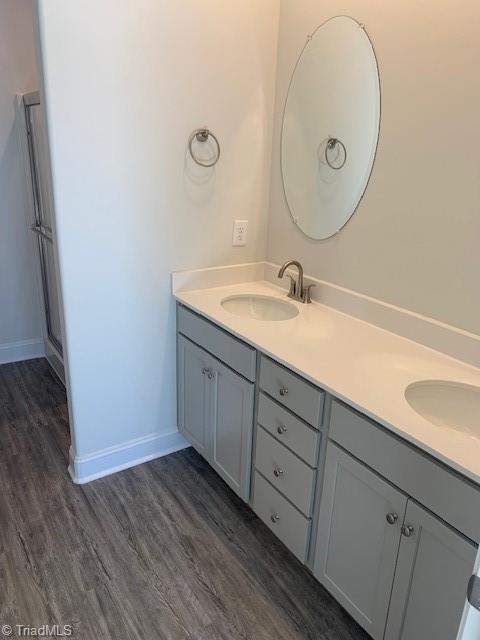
{"points": [[164, 550]]}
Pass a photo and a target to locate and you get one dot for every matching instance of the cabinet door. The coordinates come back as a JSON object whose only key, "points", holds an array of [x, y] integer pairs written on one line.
{"points": [[232, 422], [434, 565], [194, 394], [357, 546]]}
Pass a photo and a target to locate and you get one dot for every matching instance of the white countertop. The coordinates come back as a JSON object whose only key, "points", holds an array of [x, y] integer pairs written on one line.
{"points": [[367, 367]]}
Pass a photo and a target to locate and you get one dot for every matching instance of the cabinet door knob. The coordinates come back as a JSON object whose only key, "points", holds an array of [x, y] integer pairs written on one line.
{"points": [[277, 472], [391, 518], [281, 429], [283, 391], [408, 530], [473, 592], [274, 517]]}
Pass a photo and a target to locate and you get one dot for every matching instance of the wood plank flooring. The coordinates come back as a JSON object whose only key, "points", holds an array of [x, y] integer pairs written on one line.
{"points": [[164, 550]]}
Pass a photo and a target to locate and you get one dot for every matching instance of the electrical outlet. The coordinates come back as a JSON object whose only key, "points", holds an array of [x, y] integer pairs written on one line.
{"points": [[240, 228]]}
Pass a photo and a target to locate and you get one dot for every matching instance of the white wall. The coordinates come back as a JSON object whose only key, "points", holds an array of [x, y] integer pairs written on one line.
{"points": [[125, 85], [414, 240], [20, 320]]}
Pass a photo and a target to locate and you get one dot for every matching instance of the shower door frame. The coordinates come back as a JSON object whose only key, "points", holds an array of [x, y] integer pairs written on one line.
{"points": [[43, 232]]}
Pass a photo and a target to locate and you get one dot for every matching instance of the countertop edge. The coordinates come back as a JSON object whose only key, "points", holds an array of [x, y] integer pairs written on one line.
{"points": [[398, 431]]}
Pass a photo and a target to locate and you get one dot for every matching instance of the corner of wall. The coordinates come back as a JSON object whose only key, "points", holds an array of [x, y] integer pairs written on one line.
{"points": [[83, 469]]}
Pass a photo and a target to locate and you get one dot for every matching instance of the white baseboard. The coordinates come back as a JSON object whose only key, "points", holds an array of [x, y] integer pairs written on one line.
{"points": [[21, 350], [102, 463]]}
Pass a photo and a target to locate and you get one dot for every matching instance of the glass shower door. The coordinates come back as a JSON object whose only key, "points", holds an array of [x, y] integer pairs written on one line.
{"points": [[43, 226]]}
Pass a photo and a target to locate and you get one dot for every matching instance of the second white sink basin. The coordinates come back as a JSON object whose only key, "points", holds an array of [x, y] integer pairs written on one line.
{"points": [[450, 405], [259, 307]]}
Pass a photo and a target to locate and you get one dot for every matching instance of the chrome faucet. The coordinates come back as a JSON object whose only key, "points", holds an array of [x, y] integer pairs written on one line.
{"points": [[297, 289]]}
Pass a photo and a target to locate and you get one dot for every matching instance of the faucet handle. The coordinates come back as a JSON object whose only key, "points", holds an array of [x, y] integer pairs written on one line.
{"points": [[293, 286], [306, 296]]}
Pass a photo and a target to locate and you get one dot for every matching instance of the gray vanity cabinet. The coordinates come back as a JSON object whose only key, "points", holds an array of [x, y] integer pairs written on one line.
{"points": [[399, 570], [392, 526], [194, 395], [433, 568], [358, 537], [215, 413], [231, 427]]}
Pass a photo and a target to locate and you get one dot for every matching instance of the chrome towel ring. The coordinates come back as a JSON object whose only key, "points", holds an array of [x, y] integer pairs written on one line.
{"points": [[202, 136], [338, 162]]}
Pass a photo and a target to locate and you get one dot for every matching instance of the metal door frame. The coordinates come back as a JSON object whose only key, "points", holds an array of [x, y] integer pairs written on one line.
{"points": [[43, 232]]}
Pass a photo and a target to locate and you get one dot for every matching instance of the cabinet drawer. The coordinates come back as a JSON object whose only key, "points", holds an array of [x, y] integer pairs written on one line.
{"points": [[233, 352], [285, 471], [452, 498], [294, 433], [283, 519], [294, 392]]}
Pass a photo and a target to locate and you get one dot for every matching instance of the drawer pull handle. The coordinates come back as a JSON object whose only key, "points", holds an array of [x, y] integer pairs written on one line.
{"points": [[274, 517], [283, 391], [391, 518], [210, 375], [277, 472], [408, 530], [281, 430]]}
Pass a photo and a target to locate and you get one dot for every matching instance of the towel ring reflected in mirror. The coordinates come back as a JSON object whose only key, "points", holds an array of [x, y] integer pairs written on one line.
{"points": [[341, 156], [202, 136]]}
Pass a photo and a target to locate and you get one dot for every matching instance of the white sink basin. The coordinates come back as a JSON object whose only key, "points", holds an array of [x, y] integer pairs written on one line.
{"points": [[259, 307], [450, 405]]}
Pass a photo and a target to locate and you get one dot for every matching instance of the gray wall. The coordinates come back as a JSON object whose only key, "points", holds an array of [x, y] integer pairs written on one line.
{"points": [[414, 241], [20, 320]]}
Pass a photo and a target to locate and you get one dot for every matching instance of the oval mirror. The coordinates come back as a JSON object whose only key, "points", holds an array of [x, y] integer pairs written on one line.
{"points": [[330, 127]]}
